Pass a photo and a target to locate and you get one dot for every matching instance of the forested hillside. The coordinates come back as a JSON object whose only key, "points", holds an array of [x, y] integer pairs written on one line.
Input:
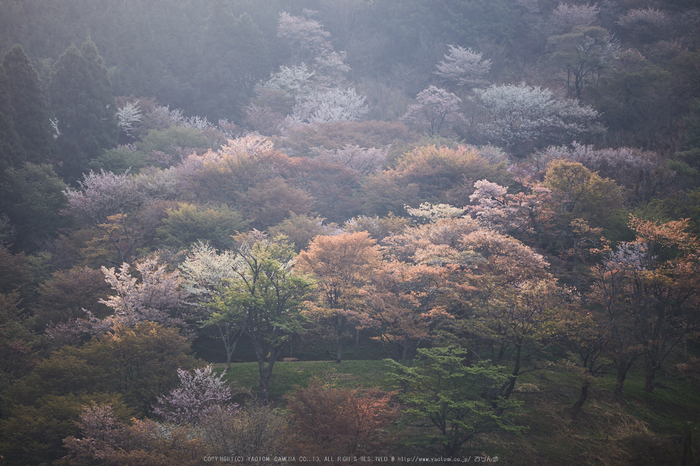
{"points": [[500, 198]]}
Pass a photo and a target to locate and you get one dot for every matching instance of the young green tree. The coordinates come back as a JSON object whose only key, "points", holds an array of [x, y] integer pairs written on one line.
{"points": [[83, 105], [459, 400], [268, 296], [206, 276], [584, 53]]}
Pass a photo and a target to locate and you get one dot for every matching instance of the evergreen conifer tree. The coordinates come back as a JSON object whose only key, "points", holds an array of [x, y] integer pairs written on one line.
{"points": [[82, 102], [11, 153], [234, 58], [31, 120]]}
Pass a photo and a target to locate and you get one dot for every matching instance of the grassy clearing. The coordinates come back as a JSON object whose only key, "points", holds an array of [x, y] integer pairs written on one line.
{"points": [[287, 375], [646, 429]]}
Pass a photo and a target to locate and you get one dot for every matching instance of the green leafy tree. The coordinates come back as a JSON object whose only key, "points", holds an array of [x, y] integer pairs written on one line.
{"points": [[82, 102], [190, 223], [459, 400], [584, 53], [67, 293], [18, 343], [139, 363], [578, 193], [31, 119], [268, 296], [206, 275]]}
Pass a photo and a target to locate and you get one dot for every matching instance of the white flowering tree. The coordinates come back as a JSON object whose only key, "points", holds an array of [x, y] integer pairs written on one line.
{"points": [[516, 114], [310, 88], [292, 80], [122, 206], [306, 36], [464, 67], [127, 116], [565, 17], [326, 106], [435, 110], [364, 161], [206, 275]]}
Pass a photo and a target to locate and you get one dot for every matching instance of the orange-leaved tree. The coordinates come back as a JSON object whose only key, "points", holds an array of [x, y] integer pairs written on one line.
{"points": [[404, 304], [342, 265]]}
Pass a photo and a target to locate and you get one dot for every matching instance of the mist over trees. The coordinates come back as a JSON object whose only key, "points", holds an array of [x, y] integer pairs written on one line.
{"points": [[498, 195]]}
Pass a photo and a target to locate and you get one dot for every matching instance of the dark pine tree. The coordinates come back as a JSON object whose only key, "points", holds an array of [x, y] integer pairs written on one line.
{"points": [[234, 57], [11, 152], [83, 104], [31, 110]]}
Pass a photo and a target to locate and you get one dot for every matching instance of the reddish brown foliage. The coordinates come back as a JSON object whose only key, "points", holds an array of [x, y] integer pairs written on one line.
{"points": [[331, 421]]}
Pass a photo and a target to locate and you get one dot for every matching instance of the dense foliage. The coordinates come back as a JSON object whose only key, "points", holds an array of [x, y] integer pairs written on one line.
{"points": [[486, 191]]}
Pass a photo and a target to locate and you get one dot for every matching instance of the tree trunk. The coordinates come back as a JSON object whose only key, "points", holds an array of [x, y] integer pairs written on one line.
{"points": [[649, 374], [621, 376], [583, 395], [338, 347], [510, 386], [263, 382]]}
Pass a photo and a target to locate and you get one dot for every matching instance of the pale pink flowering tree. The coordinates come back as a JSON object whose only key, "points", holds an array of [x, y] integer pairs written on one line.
{"points": [[512, 214], [123, 207], [152, 297], [365, 161], [199, 395], [326, 106]]}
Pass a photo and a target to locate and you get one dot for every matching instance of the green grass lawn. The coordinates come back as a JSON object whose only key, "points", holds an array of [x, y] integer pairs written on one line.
{"points": [[645, 429], [287, 375]]}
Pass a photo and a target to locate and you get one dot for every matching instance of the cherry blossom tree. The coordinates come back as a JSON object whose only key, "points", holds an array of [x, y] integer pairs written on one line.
{"points": [[123, 207], [516, 114], [435, 110], [199, 394], [206, 274], [512, 214], [127, 116], [464, 67], [566, 16], [326, 106], [151, 295], [364, 161], [306, 36], [107, 440]]}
